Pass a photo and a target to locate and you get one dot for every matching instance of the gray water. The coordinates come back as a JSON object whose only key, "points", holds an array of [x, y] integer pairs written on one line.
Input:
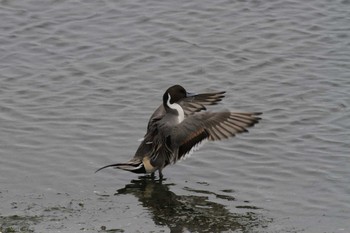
{"points": [[79, 80]]}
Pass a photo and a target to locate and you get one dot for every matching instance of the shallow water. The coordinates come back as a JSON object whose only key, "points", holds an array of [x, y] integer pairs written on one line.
{"points": [[79, 80]]}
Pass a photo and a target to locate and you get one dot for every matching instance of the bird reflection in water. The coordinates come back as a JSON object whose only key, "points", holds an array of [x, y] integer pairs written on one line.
{"points": [[191, 213]]}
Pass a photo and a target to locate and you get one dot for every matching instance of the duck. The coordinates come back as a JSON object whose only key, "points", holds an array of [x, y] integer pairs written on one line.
{"points": [[179, 126]]}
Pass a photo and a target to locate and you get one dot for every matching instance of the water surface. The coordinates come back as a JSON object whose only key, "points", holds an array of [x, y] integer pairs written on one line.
{"points": [[79, 80]]}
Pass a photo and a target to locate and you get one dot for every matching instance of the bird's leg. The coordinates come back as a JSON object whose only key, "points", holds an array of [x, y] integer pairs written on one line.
{"points": [[152, 175], [160, 174]]}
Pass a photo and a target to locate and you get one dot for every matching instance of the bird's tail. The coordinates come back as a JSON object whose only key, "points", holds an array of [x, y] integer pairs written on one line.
{"points": [[135, 166]]}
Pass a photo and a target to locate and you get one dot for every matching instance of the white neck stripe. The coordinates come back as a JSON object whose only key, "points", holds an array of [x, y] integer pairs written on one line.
{"points": [[178, 108]]}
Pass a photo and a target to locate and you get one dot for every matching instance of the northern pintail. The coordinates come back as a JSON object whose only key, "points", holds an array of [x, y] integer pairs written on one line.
{"points": [[177, 128]]}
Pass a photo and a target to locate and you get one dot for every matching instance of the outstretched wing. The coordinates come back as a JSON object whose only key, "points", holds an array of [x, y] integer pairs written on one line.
{"points": [[212, 126], [198, 102]]}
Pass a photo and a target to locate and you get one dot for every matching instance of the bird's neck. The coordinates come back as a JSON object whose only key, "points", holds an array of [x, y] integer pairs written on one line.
{"points": [[176, 109]]}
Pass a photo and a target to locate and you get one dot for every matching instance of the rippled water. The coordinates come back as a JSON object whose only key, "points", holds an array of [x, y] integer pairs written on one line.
{"points": [[79, 80]]}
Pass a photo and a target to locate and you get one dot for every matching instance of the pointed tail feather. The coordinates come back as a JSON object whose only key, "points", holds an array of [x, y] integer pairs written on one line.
{"points": [[132, 166], [111, 165]]}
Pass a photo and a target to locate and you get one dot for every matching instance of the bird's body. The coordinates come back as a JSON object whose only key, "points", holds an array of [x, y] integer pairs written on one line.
{"points": [[177, 127]]}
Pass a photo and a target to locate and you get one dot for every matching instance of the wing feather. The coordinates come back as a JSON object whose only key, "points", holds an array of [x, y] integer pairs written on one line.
{"points": [[212, 126]]}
